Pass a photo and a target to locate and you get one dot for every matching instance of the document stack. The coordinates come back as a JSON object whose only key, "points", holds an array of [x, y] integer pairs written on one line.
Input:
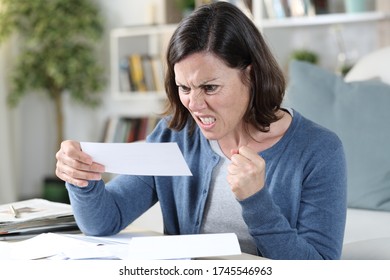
{"points": [[30, 217]]}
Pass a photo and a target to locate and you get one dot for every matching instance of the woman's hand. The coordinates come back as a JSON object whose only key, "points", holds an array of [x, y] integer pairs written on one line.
{"points": [[76, 167], [246, 173]]}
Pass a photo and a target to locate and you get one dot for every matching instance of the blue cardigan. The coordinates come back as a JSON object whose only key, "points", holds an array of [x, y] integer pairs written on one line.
{"points": [[299, 214]]}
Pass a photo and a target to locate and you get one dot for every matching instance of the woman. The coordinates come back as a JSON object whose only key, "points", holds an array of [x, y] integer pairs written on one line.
{"points": [[262, 171]]}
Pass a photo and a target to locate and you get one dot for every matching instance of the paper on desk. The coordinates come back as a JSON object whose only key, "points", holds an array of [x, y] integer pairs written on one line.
{"points": [[140, 158], [167, 246], [57, 246], [33, 215], [41, 246], [32, 209], [122, 246], [134, 246], [182, 246]]}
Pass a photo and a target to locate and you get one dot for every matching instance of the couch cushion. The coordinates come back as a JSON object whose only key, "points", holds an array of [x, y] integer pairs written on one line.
{"points": [[374, 65], [373, 249], [359, 112], [363, 224]]}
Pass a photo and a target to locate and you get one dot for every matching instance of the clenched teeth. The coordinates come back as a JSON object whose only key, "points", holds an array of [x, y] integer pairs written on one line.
{"points": [[207, 120]]}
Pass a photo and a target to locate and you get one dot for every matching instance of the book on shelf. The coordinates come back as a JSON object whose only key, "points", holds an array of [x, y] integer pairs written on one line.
{"points": [[109, 129], [278, 9], [148, 72], [158, 73], [300, 8], [141, 73], [122, 129], [137, 72], [297, 8], [124, 76], [320, 7]]}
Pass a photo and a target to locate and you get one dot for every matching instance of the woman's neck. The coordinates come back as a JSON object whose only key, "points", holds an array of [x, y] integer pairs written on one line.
{"points": [[256, 139]]}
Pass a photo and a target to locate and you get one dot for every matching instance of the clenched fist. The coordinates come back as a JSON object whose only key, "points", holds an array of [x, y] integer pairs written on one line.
{"points": [[246, 173]]}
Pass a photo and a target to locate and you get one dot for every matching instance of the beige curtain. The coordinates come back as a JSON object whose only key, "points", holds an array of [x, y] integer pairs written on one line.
{"points": [[8, 191]]}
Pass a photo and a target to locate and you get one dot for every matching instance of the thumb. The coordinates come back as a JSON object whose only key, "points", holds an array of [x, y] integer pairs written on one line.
{"points": [[234, 152]]}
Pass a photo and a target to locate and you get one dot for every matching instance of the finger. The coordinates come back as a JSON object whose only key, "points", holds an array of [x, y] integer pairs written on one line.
{"points": [[75, 177], [248, 153], [239, 160], [233, 152], [70, 154], [248, 162], [75, 164], [73, 150], [70, 180], [233, 180], [79, 174]]}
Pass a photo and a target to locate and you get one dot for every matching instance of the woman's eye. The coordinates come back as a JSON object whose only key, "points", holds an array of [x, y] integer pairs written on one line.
{"points": [[210, 88], [184, 89]]}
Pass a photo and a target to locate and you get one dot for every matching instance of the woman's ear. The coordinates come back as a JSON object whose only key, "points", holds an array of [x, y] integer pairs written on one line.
{"points": [[247, 73], [248, 70]]}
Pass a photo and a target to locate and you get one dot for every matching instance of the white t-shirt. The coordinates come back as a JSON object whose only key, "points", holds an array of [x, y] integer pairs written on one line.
{"points": [[222, 211]]}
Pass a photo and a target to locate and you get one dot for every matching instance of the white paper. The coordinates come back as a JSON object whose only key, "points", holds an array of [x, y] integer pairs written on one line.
{"points": [[167, 246], [140, 158], [31, 209], [122, 246], [41, 246], [183, 246]]}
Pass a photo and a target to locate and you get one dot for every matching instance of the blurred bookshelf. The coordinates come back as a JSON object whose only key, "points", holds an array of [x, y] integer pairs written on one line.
{"points": [[300, 13], [137, 63], [324, 19], [126, 129]]}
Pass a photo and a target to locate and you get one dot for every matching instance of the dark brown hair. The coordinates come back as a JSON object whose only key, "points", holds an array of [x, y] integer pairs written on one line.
{"points": [[223, 30]]}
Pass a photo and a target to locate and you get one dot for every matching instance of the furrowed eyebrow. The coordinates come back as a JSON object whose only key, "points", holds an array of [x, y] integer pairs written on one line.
{"points": [[205, 83]]}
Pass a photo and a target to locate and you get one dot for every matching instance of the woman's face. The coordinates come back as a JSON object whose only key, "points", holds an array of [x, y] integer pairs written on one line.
{"points": [[213, 93]]}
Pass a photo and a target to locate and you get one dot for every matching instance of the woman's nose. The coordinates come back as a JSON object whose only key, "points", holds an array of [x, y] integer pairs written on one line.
{"points": [[197, 101]]}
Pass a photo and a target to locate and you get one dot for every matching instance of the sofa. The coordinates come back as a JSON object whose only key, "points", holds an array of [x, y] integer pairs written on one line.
{"points": [[357, 109]]}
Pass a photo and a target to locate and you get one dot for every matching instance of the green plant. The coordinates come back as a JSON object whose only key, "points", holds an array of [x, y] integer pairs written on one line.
{"points": [[344, 69], [305, 55], [185, 4], [57, 55]]}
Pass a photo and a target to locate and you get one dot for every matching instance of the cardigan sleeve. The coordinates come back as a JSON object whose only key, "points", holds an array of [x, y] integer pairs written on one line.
{"points": [[317, 232], [105, 209]]}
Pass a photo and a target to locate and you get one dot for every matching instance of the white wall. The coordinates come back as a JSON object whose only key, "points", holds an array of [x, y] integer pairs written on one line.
{"points": [[34, 134], [359, 39], [8, 189]]}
